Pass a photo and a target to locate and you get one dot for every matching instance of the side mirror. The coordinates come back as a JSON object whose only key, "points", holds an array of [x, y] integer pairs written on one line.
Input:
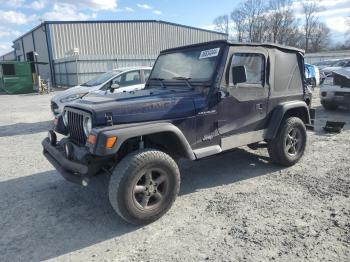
{"points": [[239, 74], [115, 86]]}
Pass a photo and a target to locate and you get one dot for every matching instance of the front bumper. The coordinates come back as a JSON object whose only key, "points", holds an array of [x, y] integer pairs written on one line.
{"points": [[72, 171]]}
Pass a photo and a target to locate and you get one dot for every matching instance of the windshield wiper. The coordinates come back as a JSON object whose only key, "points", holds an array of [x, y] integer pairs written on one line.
{"points": [[158, 79], [185, 79]]}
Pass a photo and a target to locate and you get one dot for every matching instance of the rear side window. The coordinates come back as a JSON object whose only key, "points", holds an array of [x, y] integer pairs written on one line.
{"points": [[254, 65], [8, 69]]}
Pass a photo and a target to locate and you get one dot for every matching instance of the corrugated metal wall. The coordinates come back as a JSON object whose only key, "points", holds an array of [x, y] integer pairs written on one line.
{"points": [[42, 50], [8, 57], [107, 45], [123, 38]]}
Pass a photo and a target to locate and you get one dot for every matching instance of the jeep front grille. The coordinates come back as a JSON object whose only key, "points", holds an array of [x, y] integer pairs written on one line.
{"points": [[75, 126]]}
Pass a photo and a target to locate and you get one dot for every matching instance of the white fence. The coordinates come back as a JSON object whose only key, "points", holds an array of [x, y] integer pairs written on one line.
{"points": [[322, 56]]}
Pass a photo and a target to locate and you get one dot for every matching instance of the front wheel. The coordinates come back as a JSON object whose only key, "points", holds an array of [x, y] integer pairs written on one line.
{"points": [[144, 186], [289, 144]]}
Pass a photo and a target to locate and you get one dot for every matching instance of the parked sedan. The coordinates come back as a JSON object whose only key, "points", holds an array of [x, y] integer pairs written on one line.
{"points": [[338, 65], [117, 80], [325, 63]]}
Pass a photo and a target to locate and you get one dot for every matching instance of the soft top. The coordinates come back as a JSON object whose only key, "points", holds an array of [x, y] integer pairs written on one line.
{"points": [[226, 42]]}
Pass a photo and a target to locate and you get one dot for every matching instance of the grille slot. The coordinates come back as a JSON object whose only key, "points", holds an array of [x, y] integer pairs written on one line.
{"points": [[75, 126]]}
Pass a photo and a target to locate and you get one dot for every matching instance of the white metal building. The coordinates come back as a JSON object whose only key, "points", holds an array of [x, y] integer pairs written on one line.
{"points": [[10, 56], [75, 51]]}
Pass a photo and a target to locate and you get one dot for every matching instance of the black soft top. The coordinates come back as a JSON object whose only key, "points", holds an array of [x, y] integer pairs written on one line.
{"points": [[226, 42]]}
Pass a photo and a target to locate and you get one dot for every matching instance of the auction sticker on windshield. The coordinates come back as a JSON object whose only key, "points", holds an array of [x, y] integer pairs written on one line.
{"points": [[209, 53]]}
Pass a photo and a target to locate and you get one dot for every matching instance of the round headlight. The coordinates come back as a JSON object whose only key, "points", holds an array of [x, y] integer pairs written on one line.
{"points": [[65, 118], [87, 125]]}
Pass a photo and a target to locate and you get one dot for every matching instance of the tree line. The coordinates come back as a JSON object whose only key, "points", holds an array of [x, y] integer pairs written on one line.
{"points": [[275, 21]]}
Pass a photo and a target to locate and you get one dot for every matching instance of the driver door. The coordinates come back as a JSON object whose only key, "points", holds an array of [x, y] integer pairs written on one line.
{"points": [[243, 106]]}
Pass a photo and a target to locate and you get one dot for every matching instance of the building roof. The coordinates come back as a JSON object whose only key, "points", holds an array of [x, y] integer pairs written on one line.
{"points": [[116, 21]]}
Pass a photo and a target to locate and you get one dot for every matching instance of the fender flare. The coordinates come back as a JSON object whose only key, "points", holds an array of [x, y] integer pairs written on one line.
{"points": [[127, 132], [279, 113]]}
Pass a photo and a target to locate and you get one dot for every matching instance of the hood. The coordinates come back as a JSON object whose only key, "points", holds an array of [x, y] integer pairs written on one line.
{"points": [[72, 91], [140, 106]]}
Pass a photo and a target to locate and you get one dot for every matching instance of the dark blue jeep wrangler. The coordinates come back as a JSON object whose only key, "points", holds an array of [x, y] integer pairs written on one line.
{"points": [[199, 100]]}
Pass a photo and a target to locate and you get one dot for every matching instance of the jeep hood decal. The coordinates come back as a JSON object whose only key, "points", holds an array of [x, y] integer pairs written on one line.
{"points": [[140, 106]]}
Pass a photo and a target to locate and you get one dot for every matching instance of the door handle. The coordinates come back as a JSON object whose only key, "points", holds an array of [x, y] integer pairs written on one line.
{"points": [[259, 107]]}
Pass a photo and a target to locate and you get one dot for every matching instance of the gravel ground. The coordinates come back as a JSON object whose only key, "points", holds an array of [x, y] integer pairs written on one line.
{"points": [[232, 207]]}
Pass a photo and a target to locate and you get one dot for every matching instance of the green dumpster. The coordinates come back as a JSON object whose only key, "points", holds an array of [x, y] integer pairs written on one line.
{"points": [[16, 77]]}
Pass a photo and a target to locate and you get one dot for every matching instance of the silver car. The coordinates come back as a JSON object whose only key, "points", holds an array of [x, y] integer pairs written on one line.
{"points": [[115, 81]]}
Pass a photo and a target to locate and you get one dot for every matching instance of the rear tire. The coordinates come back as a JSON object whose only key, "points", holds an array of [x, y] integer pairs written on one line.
{"points": [[289, 145], [144, 185]]}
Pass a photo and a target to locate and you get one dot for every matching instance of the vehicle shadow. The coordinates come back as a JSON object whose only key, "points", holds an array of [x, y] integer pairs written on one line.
{"points": [[225, 168], [25, 128], [43, 216]]}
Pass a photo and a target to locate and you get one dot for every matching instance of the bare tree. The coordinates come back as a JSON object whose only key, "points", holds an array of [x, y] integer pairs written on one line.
{"points": [[222, 24], [281, 20], [348, 25], [320, 37], [238, 18], [253, 11], [310, 9]]}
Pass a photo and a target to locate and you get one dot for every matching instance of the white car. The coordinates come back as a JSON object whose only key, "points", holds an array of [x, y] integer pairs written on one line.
{"points": [[114, 81], [336, 94]]}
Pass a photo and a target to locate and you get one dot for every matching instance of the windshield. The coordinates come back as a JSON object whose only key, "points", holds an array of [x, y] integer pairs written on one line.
{"points": [[98, 80], [195, 64]]}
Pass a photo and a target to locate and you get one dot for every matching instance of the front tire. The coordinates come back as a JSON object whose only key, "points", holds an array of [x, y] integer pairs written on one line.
{"points": [[289, 144], [144, 186]]}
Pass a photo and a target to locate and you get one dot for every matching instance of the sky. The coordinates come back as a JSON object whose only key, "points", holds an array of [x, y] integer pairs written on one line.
{"points": [[19, 16]]}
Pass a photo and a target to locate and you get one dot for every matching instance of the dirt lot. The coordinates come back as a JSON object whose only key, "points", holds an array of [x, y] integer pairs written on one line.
{"points": [[232, 207]]}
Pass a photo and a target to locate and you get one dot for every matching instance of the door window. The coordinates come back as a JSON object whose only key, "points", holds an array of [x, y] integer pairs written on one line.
{"points": [[254, 65], [129, 79]]}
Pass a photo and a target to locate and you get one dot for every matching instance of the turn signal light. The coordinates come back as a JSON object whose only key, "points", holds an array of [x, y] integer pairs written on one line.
{"points": [[91, 139], [111, 141]]}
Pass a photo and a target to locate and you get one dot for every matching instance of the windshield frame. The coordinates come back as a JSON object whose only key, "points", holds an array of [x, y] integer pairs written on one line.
{"points": [[177, 82]]}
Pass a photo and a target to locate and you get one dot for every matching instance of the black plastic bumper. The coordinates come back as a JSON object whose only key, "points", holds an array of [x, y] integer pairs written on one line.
{"points": [[70, 170]]}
